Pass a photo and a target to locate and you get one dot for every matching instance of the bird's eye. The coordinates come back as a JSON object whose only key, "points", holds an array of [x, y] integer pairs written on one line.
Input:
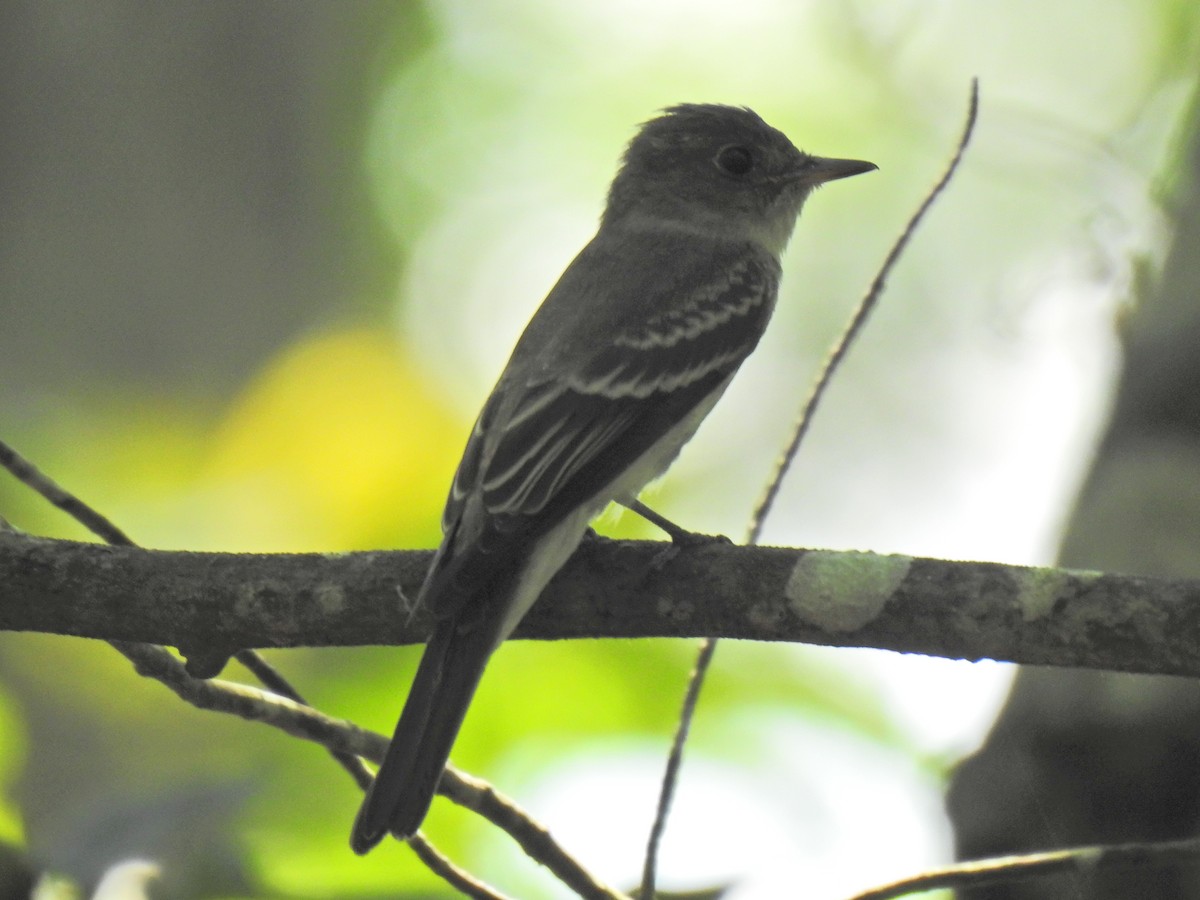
{"points": [[734, 160]]}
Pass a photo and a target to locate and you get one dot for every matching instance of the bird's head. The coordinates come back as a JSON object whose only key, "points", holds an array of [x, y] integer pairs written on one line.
{"points": [[718, 170]]}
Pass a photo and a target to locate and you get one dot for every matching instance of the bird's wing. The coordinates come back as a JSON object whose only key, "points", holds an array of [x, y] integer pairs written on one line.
{"points": [[544, 445], [642, 380]]}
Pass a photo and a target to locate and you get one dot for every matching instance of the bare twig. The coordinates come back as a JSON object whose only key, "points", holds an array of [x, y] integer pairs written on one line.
{"points": [[273, 680], [1081, 861], [858, 320], [865, 307], [460, 879], [251, 703], [666, 795], [532, 837], [28, 474], [340, 736]]}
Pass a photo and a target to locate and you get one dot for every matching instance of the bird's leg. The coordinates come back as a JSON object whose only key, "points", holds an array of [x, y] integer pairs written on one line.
{"points": [[680, 537]]}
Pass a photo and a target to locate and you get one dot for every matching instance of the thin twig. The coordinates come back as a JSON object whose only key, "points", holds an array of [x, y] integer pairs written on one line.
{"points": [[251, 703], [1014, 869], [28, 474], [272, 679], [531, 836], [763, 509], [670, 779], [340, 736], [865, 307], [460, 879]]}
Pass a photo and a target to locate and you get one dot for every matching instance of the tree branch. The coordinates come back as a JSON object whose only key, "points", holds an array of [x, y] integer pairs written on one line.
{"points": [[1085, 862], [222, 602], [345, 738], [290, 712]]}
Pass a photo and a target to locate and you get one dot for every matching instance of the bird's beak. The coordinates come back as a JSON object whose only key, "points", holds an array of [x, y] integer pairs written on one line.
{"points": [[817, 170]]}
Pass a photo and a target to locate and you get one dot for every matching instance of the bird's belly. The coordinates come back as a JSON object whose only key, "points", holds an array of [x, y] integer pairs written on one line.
{"points": [[655, 461]]}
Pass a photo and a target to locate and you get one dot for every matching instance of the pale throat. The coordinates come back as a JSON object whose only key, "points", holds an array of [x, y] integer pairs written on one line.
{"points": [[771, 232]]}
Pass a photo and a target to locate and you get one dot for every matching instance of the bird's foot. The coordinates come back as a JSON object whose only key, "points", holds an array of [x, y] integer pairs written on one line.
{"points": [[681, 538]]}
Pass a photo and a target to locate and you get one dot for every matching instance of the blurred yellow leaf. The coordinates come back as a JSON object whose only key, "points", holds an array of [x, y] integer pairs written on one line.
{"points": [[338, 444]]}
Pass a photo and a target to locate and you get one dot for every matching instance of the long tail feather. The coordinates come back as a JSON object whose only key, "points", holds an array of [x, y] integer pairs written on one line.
{"points": [[405, 785]]}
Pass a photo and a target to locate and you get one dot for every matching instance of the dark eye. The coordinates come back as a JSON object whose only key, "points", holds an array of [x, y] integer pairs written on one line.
{"points": [[734, 159]]}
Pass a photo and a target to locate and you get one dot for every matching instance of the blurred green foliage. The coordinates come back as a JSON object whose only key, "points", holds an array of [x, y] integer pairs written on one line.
{"points": [[460, 130]]}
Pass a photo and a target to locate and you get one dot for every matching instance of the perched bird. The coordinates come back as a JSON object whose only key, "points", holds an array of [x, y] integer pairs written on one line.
{"points": [[612, 376]]}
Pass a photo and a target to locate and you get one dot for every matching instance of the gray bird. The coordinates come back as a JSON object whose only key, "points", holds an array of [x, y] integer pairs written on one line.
{"points": [[623, 360]]}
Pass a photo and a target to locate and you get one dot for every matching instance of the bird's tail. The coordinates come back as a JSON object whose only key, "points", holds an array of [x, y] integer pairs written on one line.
{"points": [[404, 786]]}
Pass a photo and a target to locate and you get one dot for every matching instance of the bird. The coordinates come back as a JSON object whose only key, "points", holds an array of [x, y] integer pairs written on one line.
{"points": [[625, 357]]}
